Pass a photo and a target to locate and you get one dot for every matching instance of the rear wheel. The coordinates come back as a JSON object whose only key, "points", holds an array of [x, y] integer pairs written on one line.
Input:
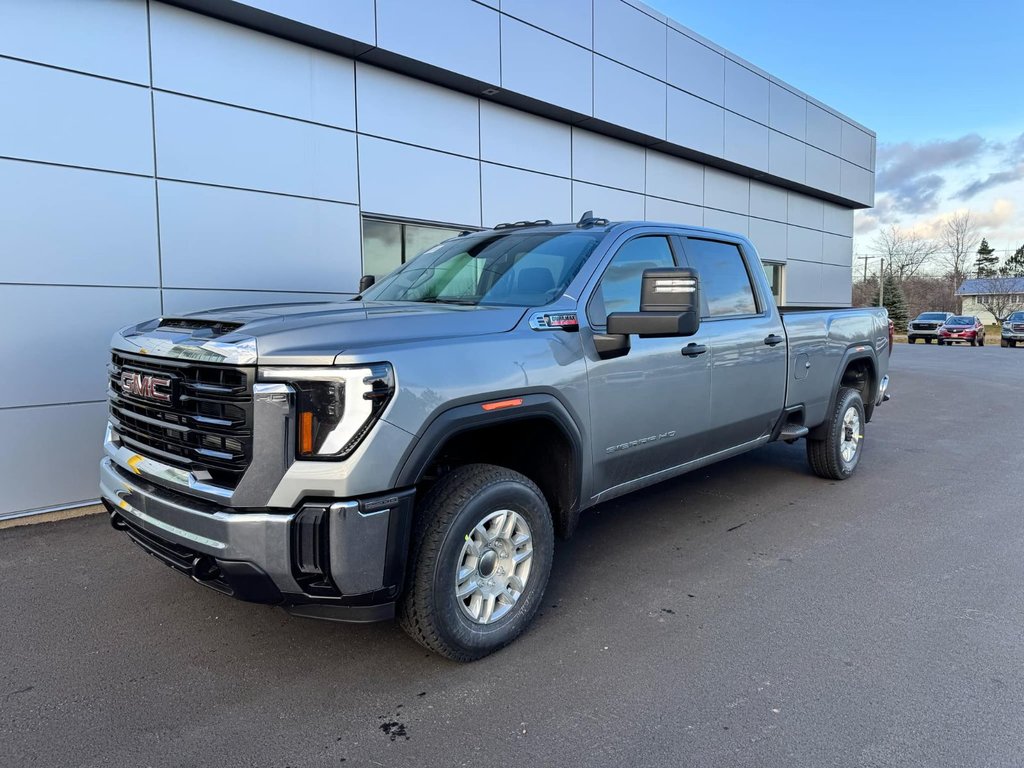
{"points": [[480, 562], [836, 456]]}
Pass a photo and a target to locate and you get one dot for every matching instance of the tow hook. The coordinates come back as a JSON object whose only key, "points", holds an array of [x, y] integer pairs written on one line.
{"points": [[205, 569]]}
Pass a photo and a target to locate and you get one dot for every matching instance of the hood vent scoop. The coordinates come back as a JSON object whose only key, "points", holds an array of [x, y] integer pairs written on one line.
{"points": [[198, 328]]}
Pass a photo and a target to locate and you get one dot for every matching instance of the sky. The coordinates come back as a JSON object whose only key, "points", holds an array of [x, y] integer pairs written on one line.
{"points": [[940, 83]]}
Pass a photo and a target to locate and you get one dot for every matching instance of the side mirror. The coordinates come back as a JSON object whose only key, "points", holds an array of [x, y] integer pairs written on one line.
{"points": [[366, 281], [669, 306]]}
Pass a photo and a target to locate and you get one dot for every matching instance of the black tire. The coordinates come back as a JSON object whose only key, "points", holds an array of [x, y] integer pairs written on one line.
{"points": [[429, 611], [1003, 343], [928, 341], [981, 342], [974, 343], [911, 339], [825, 456], [939, 342], [1013, 343]]}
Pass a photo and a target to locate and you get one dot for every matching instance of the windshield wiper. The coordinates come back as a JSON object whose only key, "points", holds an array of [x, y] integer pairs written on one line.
{"points": [[439, 300]]}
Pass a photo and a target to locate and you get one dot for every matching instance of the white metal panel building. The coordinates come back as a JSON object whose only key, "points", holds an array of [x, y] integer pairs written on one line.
{"points": [[157, 159]]}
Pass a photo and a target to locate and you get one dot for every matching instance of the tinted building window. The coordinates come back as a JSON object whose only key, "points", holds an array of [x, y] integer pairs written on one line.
{"points": [[774, 272], [389, 244], [724, 282], [619, 290]]}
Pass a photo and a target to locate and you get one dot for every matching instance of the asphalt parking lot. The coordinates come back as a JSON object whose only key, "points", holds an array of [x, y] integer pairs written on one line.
{"points": [[746, 615]]}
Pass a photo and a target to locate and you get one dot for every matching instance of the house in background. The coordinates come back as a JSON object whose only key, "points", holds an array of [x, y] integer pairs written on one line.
{"points": [[1004, 294]]}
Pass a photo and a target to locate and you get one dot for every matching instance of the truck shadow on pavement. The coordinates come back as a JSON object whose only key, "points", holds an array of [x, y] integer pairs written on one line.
{"points": [[157, 614]]}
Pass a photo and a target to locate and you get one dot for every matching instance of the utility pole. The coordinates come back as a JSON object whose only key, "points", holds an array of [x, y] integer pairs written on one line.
{"points": [[865, 260], [881, 285]]}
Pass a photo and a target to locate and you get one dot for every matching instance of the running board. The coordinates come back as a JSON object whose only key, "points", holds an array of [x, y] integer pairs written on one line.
{"points": [[793, 432]]}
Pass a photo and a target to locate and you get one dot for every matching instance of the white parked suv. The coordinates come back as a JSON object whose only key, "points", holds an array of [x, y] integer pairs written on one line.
{"points": [[926, 326]]}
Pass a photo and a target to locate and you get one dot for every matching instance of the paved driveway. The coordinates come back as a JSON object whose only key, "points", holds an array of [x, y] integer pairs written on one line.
{"points": [[747, 615]]}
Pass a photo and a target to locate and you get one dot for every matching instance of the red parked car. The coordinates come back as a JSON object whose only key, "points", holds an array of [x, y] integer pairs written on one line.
{"points": [[963, 328]]}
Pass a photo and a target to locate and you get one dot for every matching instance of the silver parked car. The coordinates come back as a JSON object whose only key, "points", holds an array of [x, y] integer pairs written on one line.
{"points": [[926, 326], [1012, 332]]}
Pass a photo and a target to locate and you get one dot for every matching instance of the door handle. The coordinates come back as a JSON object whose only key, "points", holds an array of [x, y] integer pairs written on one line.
{"points": [[692, 350], [772, 339]]}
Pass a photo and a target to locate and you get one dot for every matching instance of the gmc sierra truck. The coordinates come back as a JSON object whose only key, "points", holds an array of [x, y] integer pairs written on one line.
{"points": [[414, 451]]}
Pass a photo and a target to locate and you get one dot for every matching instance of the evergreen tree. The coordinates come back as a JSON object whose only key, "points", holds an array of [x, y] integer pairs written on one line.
{"points": [[987, 262], [1013, 266], [895, 302]]}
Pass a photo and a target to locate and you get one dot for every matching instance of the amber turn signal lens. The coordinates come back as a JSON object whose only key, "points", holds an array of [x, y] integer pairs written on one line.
{"points": [[306, 433], [499, 404]]}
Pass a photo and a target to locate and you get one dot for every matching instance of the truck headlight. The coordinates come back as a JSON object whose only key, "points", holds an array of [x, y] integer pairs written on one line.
{"points": [[335, 407]]}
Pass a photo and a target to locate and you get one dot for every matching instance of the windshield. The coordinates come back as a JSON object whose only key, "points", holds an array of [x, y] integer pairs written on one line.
{"points": [[1016, 317], [522, 269], [960, 321], [932, 316]]}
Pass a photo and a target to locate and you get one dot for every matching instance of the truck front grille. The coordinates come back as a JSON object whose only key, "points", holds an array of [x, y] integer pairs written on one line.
{"points": [[199, 419]]}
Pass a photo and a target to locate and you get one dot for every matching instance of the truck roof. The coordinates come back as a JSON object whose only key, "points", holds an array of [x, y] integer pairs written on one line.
{"points": [[590, 223]]}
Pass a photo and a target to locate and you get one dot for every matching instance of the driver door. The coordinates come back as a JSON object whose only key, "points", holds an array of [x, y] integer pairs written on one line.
{"points": [[649, 408]]}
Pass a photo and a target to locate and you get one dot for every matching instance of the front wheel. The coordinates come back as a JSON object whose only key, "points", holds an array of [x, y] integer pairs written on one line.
{"points": [[974, 343], [480, 562], [981, 342], [1003, 343], [836, 456]]}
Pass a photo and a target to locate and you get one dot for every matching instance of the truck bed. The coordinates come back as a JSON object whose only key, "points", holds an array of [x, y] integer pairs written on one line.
{"points": [[819, 340]]}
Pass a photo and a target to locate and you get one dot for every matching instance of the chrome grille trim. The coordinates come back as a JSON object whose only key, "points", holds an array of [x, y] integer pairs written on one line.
{"points": [[206, 428]]}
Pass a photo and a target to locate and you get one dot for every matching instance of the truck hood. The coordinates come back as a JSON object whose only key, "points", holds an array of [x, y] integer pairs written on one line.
{"points": [[310, 333]]}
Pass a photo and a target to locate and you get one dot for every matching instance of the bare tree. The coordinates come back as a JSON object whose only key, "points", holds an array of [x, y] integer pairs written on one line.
{"points": [[905, 252], [958, 237], [925, 293], [1000, 295]]}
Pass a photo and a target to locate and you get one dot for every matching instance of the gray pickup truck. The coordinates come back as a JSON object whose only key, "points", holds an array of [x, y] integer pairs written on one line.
{"points": [[414, 451]]}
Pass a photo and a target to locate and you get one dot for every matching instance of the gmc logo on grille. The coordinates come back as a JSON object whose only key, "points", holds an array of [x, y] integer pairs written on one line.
{"points": [[144, 385]]}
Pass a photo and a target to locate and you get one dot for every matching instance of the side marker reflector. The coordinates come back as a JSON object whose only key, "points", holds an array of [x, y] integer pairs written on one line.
{"points": [[499, 404]]}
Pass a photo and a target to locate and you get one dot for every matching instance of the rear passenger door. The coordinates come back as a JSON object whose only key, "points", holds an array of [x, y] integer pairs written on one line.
{"points": [[746, 342]]}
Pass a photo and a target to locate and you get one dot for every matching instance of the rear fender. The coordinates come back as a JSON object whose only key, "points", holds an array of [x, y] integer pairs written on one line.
{"points": [[853, 353]]}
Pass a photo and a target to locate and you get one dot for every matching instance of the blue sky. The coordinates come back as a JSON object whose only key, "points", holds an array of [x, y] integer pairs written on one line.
{"points": [[941, 83]]}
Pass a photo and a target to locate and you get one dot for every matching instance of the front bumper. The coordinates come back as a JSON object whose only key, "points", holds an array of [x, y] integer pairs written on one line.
{"points": [[342, 560], [958, 339], [1012, 336]]}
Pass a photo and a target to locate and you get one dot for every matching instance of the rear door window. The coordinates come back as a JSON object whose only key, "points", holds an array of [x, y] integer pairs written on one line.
{"points": [[725, 284]]}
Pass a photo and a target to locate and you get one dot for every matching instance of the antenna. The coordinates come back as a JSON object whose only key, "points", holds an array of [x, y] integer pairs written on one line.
{"points": [[589, 220]]}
